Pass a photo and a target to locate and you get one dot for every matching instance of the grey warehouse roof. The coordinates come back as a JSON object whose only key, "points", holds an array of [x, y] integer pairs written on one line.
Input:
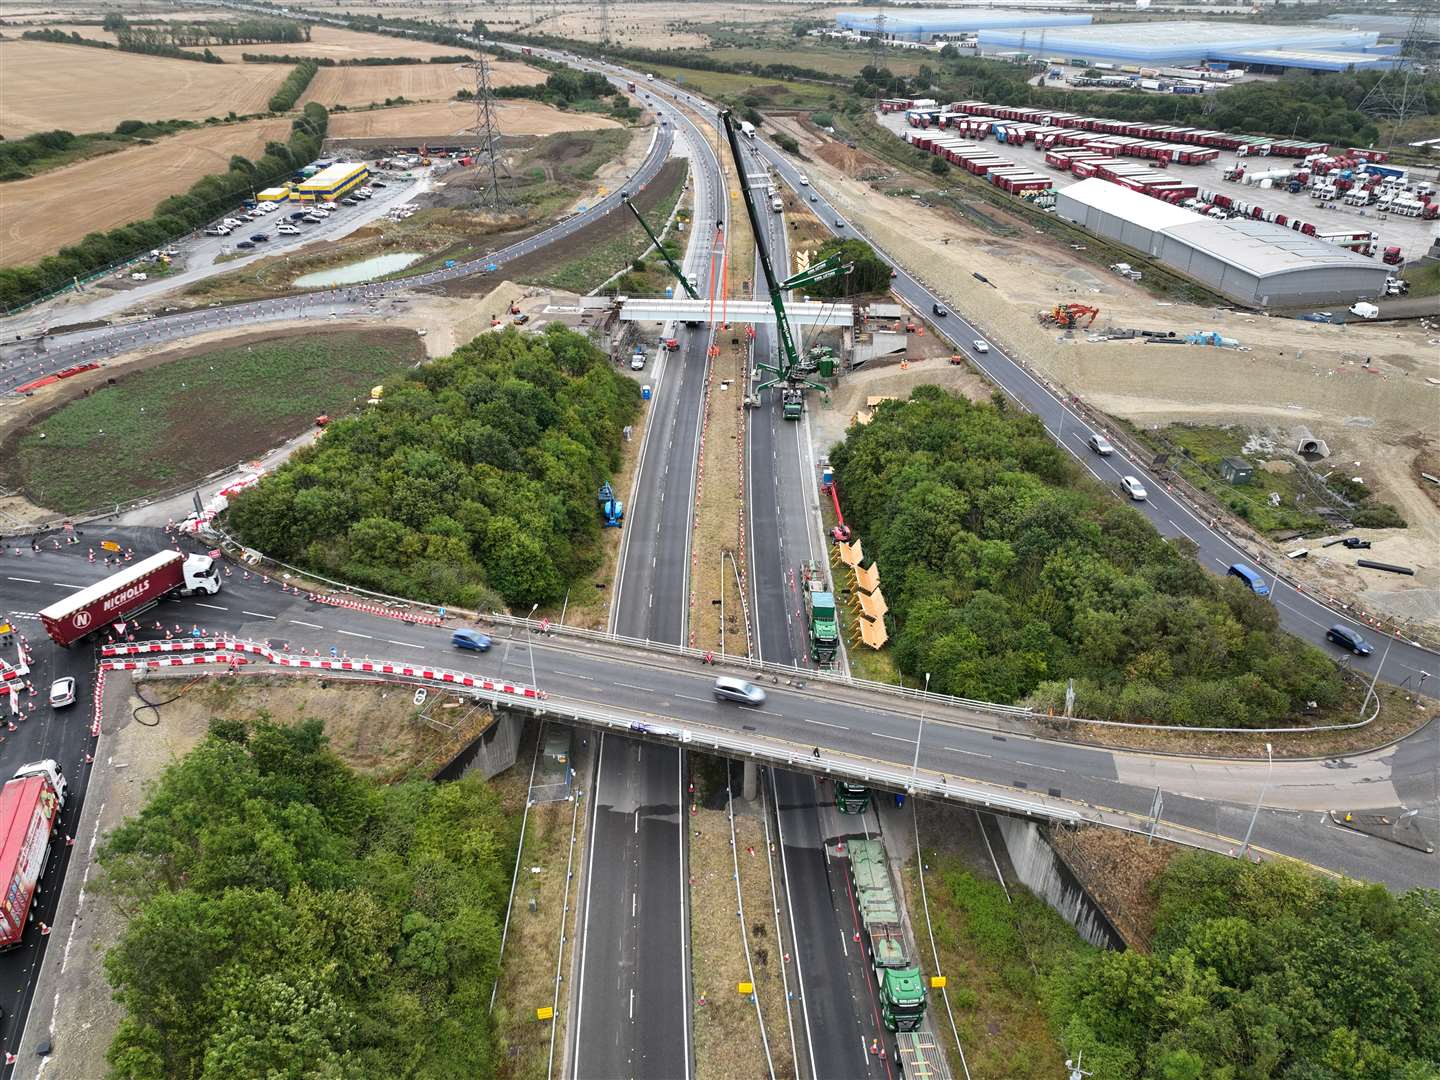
{"points": [[1129, 205], [1263, 249]]}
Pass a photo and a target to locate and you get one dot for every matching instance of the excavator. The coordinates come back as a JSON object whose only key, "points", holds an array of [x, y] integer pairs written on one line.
{"points": [[791, 373], [1069, 316]]}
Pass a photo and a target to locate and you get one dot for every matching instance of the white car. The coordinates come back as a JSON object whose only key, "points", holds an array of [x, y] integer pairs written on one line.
{"points": [[1133, 488], [804, 180], [980, 346], [62, 693], [637, 362], [287, 229], [1101, 445]]}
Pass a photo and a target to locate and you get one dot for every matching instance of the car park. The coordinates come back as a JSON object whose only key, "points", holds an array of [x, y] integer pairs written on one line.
{"points": [[62, 693], [980, 346], [1349, 639], [1133, 488], [465, 638], [1101, 445], [729, 688]]}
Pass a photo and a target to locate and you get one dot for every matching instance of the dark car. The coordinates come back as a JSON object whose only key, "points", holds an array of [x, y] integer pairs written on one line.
{"points": [[1349, 639], [377, 183], [938, 310], [470, 639], [260, 237], [299, 216], [1354, 543], [245, 245]]}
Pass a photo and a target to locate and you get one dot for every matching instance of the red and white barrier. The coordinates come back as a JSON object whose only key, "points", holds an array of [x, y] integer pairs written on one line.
{"points": [[142, 647], [375, 609], [99, 702], [225, 652]]}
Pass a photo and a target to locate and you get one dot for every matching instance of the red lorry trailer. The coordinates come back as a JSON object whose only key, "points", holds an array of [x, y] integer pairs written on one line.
{"points": [[129, 592], [30, 806]]}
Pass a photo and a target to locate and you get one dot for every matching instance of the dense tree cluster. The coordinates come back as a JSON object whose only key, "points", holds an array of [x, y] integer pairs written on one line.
{"points": [[1008, 574], [289, 919], [36, 152], [174, 217], [1260, 972], [246, 30], [354, 61], [869, 272], [564, 88], [476, 477], [294, 85]]}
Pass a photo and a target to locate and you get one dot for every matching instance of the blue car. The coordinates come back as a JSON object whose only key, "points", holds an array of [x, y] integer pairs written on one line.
{"points": [[470, 639]]}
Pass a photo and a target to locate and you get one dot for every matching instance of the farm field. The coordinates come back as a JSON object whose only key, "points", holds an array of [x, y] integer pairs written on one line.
{"points": [[40, 91], [428, 82], [41, 215], [273, 385], [337, 44], [453, 117]]}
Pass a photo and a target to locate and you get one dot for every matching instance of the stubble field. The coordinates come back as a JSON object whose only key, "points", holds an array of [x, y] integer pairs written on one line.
{"points": [[453, 117]]}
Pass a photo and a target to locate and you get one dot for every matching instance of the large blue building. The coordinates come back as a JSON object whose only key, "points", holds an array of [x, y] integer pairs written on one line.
{"points": [[925, 24]]}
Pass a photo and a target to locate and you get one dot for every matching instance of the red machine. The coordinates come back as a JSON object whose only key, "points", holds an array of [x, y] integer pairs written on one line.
{"points": [[30, 806], [129, 592]]}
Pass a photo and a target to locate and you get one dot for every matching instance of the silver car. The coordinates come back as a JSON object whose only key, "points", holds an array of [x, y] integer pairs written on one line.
{"points": [[1133, 488], [729, 688]]}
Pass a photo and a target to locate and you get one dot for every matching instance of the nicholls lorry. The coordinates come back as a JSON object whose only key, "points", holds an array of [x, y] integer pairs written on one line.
{"points": [[30, 806], [126, 594]]}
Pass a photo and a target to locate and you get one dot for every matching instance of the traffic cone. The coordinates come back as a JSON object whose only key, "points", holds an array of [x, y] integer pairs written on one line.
{"points": [[69, 841], [89, 759], [44, 930]]}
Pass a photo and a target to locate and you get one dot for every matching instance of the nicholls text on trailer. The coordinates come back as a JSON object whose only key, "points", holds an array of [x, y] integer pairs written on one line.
{"points": [[128, 593]]}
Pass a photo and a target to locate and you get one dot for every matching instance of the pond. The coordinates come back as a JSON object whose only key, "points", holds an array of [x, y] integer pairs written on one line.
{"points": [[366, 270]]}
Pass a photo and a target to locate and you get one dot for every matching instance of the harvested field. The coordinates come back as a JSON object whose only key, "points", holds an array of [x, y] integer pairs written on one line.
{"points": [[453, 117], [417, 82], [41, 215], [39, 90], [337, 44]]}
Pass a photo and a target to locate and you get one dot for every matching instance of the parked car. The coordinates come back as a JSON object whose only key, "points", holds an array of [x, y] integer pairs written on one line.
{"points": [[1101, 445], [1346, 638], [244, 245], [347, 202], [1355, 543], [637, 362], [287, 229], [62, 693], [522, 318], [980, 346], [377, 183], [260, 237], [470, 639], [729, 688], [1133, 488], [300, 216]]}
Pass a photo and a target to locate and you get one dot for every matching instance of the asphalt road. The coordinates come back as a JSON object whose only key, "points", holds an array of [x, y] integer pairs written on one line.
{"points": [[640, 1027]]}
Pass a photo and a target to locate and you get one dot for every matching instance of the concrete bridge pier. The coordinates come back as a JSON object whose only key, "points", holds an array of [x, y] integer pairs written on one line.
{"points": [[750, 786]]}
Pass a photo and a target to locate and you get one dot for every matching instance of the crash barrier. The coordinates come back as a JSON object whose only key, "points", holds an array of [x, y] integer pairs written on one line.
{"points": [[232, 651], [374, 609]]}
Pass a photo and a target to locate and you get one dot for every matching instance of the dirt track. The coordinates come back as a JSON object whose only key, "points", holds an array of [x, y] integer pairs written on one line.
{"points": [[40, 215], [40, 88]]}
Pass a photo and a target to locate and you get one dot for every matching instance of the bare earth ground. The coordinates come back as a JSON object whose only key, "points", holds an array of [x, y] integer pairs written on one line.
{"points": [[370, 727], [454, 117], [40, 215], [1119, 869], [1293, 373], [418, 82], [40, 90], [337, 44]]}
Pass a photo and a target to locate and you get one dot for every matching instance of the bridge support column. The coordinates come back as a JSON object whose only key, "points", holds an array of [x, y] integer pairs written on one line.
{"points": [[750, 787]]}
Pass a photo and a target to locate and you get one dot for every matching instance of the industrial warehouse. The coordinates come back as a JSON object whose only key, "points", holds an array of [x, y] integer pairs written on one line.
{"points": [[1255, 263]]}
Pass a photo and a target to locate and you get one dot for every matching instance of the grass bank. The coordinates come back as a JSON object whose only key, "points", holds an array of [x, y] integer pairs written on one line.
{"points": [[181, 415]]}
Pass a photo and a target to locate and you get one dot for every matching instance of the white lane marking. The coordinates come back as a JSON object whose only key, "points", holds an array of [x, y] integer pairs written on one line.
{"points": [[27, 580], [312, 625], [689, 697], [894, 738], [572, 675], [351, 633], [632, 686], [1032, 765], [261, 615], [406, 644], [972, 753], [65, 585], [637, 821], [822, 723], [767, 712], [212, 607]]}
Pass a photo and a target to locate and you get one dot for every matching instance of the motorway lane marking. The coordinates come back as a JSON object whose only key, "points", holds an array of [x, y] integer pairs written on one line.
{"points": [[406, 644], [572, 675], [767, 712], [972, 753], [1032, 765], [261, 615], [822, 723], [895, 738], [212, 607], [312, 625], [687, 697], [351, 633], [631, 686], [65, 585], [27, 580]]}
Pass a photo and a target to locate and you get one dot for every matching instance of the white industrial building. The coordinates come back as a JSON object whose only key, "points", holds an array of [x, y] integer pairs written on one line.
{"points": [[1254, 263]]}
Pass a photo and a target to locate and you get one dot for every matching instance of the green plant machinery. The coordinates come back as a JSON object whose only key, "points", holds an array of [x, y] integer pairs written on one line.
{"points": [[901, 987]]}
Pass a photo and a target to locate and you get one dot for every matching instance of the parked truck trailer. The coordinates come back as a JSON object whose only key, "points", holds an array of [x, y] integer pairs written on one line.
{"points": [[901, 988], [30, 807], [125, 594]]}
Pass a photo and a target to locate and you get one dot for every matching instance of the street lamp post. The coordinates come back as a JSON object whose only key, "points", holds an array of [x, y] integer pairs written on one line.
{"points": [[915, 766], [1389, 640], [1270, 760], [530, 638]]}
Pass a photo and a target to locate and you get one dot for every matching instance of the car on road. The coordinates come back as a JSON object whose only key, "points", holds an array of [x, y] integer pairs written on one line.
{"points": [[804, 180], [287, 230], [1346, 638], [470, 639], [1101, 445], [259, 237], [814, 197], [62, 693], [729, 688], [938, 311], [244, 245], [1133, 488], [980, 346], [1252, 578]]}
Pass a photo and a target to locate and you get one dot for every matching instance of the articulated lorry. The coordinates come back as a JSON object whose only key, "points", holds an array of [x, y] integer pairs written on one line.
{"points": [[30, 806], [902, 990], [127, 593]]}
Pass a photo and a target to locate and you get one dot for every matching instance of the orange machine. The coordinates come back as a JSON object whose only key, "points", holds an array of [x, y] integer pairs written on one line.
{"points": [[1069, 316]]}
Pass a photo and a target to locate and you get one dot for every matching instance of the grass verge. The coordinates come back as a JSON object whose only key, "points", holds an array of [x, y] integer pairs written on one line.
{"points": [[770, 93], [1424, 279], [766, 951], [721, 501], [152, 432]]}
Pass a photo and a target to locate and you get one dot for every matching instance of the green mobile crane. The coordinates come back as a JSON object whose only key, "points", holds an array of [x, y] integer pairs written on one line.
{"points": [[679, 275], [792, 373]]}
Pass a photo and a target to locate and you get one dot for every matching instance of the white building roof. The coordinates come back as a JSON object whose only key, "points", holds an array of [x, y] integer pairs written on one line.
{"points": [[1264, 249], [1130, 205]]}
